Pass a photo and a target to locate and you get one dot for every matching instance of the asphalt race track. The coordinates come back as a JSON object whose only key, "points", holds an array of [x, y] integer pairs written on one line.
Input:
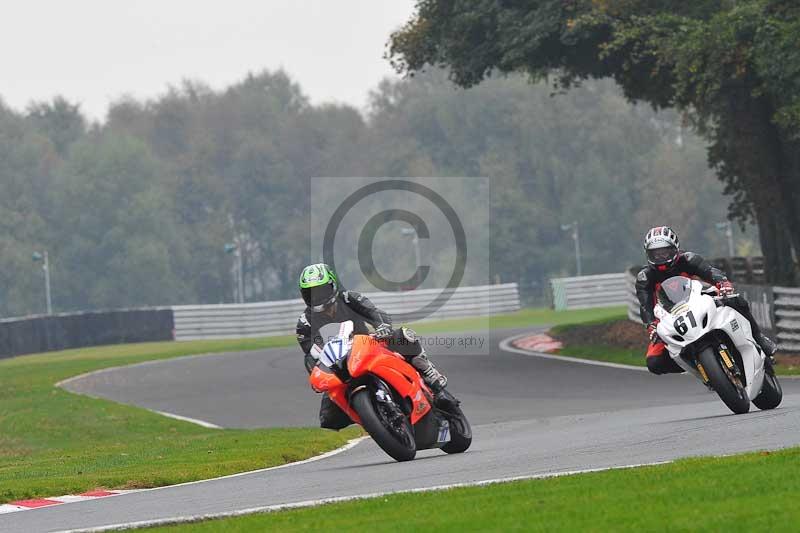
{"points": [[529, 416]]}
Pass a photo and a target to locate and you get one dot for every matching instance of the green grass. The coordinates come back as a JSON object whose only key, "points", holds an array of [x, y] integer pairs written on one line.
{"points": [[524, 318], [753, 492], [53, 442], [628, 356], [606, 353]]}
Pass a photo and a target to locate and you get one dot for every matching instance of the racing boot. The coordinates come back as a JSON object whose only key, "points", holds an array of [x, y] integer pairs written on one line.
{"points": [[769, 347], [435, 380]]}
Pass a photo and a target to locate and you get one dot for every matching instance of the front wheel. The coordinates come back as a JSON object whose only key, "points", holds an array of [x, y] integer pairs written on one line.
{"points": [[728, 387], [771, 393], [391, 432]]}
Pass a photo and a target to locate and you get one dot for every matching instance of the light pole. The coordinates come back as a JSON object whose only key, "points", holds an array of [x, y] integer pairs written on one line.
{"points": [[235, 248], [577, 238], [410, 232], [45, 259], [727, 228]]}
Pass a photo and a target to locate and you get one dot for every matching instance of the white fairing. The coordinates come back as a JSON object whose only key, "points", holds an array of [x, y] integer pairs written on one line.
{"points": [[337, 347], [706, 317]]}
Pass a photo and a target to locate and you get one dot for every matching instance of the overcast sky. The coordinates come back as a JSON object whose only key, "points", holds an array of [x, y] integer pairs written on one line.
{"points": [[95, 51]]}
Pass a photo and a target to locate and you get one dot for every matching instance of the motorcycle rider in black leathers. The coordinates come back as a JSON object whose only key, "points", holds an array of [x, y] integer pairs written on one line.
{"points": [[328, 303], [665, 259]]}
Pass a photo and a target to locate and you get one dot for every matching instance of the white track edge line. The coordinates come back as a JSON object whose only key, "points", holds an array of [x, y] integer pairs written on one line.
{"points": [[506, 346], [197, 421], [182, 418], [339, 499]]}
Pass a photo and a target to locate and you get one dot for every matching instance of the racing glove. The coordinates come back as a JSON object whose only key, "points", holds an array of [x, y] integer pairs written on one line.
{"points": [[651, 331], [383, 331], [725, 288]]}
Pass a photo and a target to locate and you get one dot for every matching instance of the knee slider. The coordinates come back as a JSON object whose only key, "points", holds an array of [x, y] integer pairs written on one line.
{"points": [[656, 365], [408, 334]]}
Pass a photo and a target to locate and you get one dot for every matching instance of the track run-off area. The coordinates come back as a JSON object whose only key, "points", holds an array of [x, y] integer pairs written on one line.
{"points": [[531, 416]]}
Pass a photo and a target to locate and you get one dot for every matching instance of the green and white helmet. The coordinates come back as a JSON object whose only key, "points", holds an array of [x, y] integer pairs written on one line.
{"points": [[319, 286]]}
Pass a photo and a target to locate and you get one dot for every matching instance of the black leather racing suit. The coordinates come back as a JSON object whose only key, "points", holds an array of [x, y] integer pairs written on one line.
{"points": [[349, 305], [649, 280]]}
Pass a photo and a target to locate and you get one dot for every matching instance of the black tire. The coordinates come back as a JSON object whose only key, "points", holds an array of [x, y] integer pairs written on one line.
{"points": [[733, 395], [771, 392], [376, 426], [460, 432]]}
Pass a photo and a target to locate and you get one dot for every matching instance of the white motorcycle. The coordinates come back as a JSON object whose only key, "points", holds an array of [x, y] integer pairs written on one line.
{"points": [[715, 343]]}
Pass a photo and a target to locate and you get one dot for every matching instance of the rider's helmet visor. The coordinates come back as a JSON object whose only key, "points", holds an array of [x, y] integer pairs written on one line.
{"points": [[319, 295], [661, 256]]}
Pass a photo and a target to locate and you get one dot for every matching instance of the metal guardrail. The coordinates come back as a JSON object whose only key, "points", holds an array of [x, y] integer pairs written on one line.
{"points": [[787, 318], [584, 292], [634, 313], [280, 317]]}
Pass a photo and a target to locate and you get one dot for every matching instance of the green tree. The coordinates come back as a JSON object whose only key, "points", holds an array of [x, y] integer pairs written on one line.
{"points": [[731, 66]]}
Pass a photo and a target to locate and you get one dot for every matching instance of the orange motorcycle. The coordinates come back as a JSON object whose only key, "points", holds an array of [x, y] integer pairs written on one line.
{"points": [[383, 393]]}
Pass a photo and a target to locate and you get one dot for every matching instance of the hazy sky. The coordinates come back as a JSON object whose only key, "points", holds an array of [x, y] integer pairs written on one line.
{"points": [[95, 51]]}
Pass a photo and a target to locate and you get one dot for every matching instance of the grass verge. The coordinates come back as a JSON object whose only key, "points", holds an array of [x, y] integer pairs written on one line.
{"points": [[752, 492], [617, 340], [521, 319]]}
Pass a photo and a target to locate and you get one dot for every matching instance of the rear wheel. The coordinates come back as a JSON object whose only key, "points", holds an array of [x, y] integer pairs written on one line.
{"points": [[771, 393], [729, 387], [460, 432], [391, 431]]}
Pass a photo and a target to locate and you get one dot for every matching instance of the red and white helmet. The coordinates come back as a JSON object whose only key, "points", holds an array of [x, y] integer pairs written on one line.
{"points": [[661, 246]]}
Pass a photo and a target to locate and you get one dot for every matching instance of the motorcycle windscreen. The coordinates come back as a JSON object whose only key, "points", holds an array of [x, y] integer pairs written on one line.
{"points": [[338, 339], [674, 291], [334, 330]]}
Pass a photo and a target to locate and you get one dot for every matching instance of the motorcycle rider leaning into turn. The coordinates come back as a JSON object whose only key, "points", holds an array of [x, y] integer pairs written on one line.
{"points": [[327, 302], [665, 259]]}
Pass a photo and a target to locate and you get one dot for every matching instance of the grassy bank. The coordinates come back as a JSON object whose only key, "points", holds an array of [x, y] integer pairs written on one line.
{"points": [[753, 492]]}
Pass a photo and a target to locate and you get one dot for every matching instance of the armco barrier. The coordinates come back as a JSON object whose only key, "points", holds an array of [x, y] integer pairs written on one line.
{"points": [[76, 330], [589, 291], [280, 317], [631, 300], [787, 318]]}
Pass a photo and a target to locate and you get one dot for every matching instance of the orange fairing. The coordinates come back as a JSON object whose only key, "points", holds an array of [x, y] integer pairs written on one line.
{"points": [[323, 381], [327, 382], [371, 356]]}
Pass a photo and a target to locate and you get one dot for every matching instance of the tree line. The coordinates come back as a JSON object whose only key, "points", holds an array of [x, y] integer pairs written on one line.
{"points": [[137, 210]]}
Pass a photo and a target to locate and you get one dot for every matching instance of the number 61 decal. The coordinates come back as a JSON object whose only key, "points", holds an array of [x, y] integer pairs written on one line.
{"points": [[680, 324]]}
